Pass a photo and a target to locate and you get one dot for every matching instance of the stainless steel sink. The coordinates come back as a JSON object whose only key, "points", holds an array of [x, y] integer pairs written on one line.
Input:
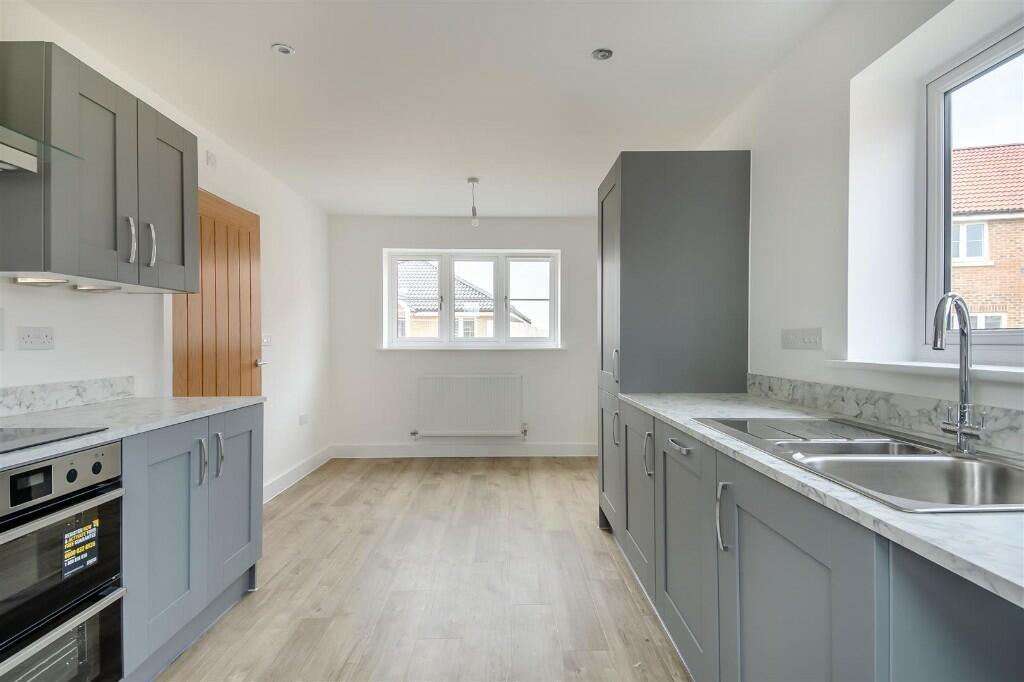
{"points": [[855, 448], [909, 474], [924, 482]]}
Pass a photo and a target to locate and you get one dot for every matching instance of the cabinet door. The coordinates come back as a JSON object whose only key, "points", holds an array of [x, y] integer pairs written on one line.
{"points": [[686, 575], [236, 494], [609, 212], [168, 203], [611, 466], [637, 536], [104, 195], [166, 521], [799, 586]]}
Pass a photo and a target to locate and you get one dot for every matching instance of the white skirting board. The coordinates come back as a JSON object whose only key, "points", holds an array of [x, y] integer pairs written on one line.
{"points": [[431, 449], [283, 481]]}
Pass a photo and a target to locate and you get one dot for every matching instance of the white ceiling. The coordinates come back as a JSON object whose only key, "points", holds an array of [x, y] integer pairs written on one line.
{"points": [[387, 107]]}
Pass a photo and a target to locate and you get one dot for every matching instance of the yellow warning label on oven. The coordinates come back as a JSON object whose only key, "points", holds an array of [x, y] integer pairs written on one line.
{"points": [[81, 548]]}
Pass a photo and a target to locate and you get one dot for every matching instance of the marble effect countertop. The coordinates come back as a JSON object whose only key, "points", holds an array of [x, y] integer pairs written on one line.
{"points": [[124, 417], [987, 549]]}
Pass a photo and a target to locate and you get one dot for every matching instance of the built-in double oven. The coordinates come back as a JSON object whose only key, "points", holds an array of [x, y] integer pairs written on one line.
{"points": [[60, 568]]}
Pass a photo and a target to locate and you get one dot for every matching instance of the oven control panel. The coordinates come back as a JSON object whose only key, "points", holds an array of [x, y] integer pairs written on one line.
{"points": [[40, 482]]}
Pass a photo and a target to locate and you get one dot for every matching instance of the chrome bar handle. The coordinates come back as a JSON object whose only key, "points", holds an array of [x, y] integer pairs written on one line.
{"points": [[204, 463], [615, 365], [616, 422], [648, 438], [675, 445], [133, 252], [718, 514], [260, 362], [152, 237], [220, 453]]}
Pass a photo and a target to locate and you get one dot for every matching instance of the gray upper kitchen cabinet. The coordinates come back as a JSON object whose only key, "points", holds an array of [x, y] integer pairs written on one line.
{"points": [[799, 586], [609, 226], [100, 188], [168, 203], [673, 272], [166, 534], [236, 494], [686, 576], [636, 528], [611, 465], [108, 168]]}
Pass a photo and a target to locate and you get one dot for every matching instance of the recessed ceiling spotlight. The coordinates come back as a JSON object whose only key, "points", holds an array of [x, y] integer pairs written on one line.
{"points": [[602, 54], [281, 48]]}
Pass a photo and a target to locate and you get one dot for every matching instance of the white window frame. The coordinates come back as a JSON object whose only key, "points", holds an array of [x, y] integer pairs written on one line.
{"points": [[963, 260], [995, 346], [447, 338]]}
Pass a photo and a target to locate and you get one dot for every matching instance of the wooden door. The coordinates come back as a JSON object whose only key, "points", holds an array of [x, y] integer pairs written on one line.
{"points": [[217, 330]]}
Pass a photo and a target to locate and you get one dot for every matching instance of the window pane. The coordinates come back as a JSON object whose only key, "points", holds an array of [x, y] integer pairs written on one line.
{"points": [[529, 279], [418, 299], [987, 152], [529, 286], [473, 289], [529, 319]]}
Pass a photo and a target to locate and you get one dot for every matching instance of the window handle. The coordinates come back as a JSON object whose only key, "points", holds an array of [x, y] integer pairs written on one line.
{"points": [[440, 303]]}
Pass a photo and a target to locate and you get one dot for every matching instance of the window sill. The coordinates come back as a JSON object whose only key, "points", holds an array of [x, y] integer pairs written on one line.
{"points": [[995, 373], [971, 263]]}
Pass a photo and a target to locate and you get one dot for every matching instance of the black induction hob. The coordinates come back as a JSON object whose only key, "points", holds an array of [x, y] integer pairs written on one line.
{"points": [[21, 437]]}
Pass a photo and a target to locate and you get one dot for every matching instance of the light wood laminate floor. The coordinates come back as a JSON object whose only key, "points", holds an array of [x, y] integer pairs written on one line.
{"points": [[438, 569]]}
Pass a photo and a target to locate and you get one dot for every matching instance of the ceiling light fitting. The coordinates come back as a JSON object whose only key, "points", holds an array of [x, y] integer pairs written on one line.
{"points": [[474, 220], [281, 48], [602, 54]]}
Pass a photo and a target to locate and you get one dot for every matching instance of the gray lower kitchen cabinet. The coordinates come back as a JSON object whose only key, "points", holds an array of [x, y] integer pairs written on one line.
{"points": [[611, 465], [166, 534], [946, 629], [799, 586], [686, 575], [636, 531], [168, 203], [192, 525], [113, 196], [236, 492]]}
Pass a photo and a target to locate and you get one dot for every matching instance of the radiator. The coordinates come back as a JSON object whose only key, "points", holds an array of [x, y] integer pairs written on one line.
{"points": [[470, 405]]}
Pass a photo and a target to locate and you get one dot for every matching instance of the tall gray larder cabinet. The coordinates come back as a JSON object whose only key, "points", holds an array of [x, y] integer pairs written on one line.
{"points": [[115, 195], [673, 259]]}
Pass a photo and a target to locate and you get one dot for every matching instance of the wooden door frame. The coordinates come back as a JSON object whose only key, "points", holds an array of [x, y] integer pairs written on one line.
{"points": [[190, 313]]}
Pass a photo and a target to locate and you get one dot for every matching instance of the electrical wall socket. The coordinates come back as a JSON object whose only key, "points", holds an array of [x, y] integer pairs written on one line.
{"points": [[266, 340], [802, 339], [303, 419], [35, 338]]}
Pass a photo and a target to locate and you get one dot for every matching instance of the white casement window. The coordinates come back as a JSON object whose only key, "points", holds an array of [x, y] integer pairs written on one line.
{"points": [[975, 216], [968, 244], [471, 299]]}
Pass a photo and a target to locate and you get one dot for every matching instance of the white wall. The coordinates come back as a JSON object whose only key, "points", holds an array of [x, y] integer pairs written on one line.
{"points": [[374, 402], [797, 125], [118, 334]]}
